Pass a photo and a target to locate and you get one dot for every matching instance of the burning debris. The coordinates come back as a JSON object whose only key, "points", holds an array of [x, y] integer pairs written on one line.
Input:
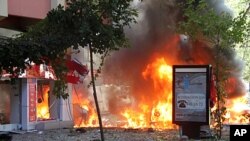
{"points": [[141, 76], [83, 109]]}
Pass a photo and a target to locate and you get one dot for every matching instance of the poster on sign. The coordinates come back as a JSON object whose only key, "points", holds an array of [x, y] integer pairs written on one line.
{"points": [[191, 94]]}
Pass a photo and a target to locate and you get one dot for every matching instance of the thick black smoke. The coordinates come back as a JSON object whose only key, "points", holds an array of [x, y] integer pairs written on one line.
{"points": [[154, 35]]}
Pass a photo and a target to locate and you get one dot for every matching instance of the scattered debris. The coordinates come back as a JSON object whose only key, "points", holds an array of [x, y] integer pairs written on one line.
{"points": [[96, 140], [110, 134], [31, 131], [40, 132], [131, 130], [81, 130], [150, 130]]}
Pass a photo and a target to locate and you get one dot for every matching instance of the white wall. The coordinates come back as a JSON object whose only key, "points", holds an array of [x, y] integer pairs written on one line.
{"points": [[66, 106], [54, 3], [15, 103], [3, 9], [8, 32]]}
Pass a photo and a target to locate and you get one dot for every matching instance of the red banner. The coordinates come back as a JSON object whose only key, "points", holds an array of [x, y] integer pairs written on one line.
{"points": [[32, 101]]}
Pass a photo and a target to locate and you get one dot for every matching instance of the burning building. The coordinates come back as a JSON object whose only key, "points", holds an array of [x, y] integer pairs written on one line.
{"points": [[135, 88], [28, 102]]}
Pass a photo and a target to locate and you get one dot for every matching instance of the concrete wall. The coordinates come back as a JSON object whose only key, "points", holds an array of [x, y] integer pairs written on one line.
{"points": [[66, 106], [15, 103], [3, 9], [29, 8], [32, 9], [26, 125]]}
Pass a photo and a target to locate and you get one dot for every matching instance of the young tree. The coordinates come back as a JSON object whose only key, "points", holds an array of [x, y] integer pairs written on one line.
{"points": [[242, 49], [96, 24], [221, 31]]}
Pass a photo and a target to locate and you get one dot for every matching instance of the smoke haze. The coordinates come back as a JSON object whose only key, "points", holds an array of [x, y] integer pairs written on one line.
{"points": [[154, 36]]}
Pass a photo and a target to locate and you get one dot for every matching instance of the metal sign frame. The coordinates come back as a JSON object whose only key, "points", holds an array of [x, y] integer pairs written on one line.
{"points": [[191, 91]]}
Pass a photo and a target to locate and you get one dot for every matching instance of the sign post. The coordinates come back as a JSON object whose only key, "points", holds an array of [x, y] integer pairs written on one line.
{"points": [[191, 89]]}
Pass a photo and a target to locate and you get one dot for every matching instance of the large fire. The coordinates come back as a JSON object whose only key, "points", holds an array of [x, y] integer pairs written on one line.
{"points": [[153, 109], [158, 116]]}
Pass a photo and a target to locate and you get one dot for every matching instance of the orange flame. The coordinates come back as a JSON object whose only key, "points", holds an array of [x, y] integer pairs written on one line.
{"points": [[238, 111], [144, 115], [135, 119], [83, 111], [43, 103], [160, 114]]}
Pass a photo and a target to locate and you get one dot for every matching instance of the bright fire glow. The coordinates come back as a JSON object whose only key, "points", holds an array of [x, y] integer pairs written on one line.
{"points": [[84, 112], [238, 111], [165, 71], [43, 103], [135, 119], [144, 115], [159, 115]]}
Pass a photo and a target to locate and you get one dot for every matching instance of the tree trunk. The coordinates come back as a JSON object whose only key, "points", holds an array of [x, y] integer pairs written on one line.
{"points": [[218, 91], [94, 92]]}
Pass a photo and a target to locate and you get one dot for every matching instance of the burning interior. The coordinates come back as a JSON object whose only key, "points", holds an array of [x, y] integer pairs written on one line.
{"points": [[43, 100]]}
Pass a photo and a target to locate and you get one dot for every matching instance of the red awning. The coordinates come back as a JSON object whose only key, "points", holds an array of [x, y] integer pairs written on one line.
{"points": [[76, 70]]}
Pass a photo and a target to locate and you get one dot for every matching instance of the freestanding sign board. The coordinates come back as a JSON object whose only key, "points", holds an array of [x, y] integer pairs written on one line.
{"points": [[191, 91]]}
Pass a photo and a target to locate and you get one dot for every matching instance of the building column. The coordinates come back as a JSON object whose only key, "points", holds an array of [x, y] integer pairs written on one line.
{"points": [[28, 104], [15, 103], [3, 9], [66, 106]]}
